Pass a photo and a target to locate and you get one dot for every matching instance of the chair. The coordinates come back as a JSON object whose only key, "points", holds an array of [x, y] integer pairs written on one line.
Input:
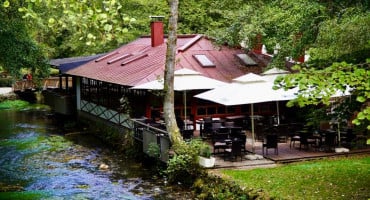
{"points": [[305, 140], [235, 150], [259, 132], [216, 126], [243, 139], [270, 142], [236, 132], [349, 138], [218, 141], [330, 141], [294, 138], [282, 131], [187, 134]]}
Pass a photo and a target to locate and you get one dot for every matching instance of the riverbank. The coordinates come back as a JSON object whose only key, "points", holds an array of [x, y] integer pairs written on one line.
{"points": [[40, 162]]}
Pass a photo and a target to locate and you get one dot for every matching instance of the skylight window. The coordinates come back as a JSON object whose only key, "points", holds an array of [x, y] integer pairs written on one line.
{"points": [[204, 61], [246, 59]]}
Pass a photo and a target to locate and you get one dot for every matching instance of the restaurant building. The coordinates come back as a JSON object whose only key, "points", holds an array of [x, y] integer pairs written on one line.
{"points": [[102, 82]]}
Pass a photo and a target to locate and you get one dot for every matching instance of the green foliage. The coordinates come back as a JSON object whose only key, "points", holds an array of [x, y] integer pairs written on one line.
{"points": [[13, 104], [342, 39], [6, 82], [205, 151], [338, 178], [154, 150], [317, 86], [125, 105], [26, 195], [73, 25], [17, 49], [183, 167], [334, 33], [277, 21], [54, 72], [210, 186], [67, 27]]}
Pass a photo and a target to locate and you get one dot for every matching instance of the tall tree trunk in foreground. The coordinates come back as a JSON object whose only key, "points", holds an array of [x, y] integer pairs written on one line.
{"points": [[168, 101]]}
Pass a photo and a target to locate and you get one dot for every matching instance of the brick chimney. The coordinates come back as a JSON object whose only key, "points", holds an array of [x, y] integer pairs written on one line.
{"points": [[257, 46], [156, 25]]}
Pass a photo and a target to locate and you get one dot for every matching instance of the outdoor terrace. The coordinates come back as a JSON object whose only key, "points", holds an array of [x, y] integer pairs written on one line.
{"points": [[286, 154]]}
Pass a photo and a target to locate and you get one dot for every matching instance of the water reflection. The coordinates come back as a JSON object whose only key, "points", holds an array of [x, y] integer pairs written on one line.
{"points": [[36, 162]]}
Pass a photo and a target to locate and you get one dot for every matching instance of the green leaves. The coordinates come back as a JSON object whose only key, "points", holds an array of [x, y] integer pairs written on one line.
{"points": [[69, 25], [6, 4], [319, 86], [361, 99]]}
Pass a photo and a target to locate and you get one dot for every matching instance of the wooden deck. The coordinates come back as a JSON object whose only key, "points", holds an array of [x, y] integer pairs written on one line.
{"points": [[285, 155]]}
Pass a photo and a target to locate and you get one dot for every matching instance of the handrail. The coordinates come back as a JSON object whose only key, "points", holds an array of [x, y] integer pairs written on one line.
{"points": [[150, 127]]}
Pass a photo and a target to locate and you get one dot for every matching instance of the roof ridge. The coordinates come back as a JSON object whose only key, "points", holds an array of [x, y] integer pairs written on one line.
{"points": [[133, 58], [107, 56], [119, 58], [190, 43]]}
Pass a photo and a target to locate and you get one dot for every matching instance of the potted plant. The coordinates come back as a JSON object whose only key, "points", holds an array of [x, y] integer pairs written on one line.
{"points": [[205, 158]]}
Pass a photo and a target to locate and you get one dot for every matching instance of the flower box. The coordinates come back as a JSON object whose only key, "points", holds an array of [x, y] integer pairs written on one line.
{"points": [[207, 162]]}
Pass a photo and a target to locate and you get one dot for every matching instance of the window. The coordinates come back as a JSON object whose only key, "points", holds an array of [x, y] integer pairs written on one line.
{"points": [[204, 61], [201, 111], [211, 110], [221, 110], [231, 109], [246, 59]]}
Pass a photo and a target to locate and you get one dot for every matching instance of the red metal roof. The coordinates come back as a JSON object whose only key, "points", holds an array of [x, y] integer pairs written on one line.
{"points": [[143, 63]]}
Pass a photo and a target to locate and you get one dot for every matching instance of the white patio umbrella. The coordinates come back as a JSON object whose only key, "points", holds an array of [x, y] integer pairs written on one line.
{"points": [[184, 80], [247, 89], [273, 73]]}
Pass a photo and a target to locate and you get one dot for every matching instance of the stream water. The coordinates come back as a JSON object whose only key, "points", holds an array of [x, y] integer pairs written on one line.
{"points": [[38, 162]]}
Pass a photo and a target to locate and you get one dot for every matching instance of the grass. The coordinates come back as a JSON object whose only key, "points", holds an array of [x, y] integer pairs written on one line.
{"points": [[25, 195], [22, 105], [13, 104], [338, 178]]}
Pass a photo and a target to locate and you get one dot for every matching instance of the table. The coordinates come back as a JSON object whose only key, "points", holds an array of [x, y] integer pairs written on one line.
{"points": [[235, 117]]}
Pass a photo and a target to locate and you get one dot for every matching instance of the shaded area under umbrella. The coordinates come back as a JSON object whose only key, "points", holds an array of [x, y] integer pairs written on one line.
{"points": [[247, 89], [184, 80]]}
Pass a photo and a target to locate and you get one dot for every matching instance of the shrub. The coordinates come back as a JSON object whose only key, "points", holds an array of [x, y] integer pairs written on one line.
{"points": [[153, 150], [209, 186], [183, 167], [205, 151], [5, 82]]}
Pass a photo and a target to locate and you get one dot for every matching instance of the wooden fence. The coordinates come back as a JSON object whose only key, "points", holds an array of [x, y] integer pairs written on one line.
{"points": [[47, 83]]}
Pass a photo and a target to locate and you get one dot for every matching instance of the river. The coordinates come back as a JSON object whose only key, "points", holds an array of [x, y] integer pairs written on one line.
{"points": [[37, 161]]}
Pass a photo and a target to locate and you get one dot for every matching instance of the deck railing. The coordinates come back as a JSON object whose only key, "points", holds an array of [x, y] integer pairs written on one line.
{"points": [[149, 136], [47, 83]]}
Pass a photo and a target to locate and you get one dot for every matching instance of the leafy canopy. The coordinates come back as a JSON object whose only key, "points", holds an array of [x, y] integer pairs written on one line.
{"points": [[17, 49], [334, 33]]}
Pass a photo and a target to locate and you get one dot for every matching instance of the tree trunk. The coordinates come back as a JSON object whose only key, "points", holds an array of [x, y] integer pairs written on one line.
{"points": [[168, 101]]}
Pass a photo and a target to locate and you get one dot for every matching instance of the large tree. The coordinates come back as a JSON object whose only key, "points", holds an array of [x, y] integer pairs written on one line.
{"points": [[334, 33], [168, 103], [17, 49], [338, 61]]}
